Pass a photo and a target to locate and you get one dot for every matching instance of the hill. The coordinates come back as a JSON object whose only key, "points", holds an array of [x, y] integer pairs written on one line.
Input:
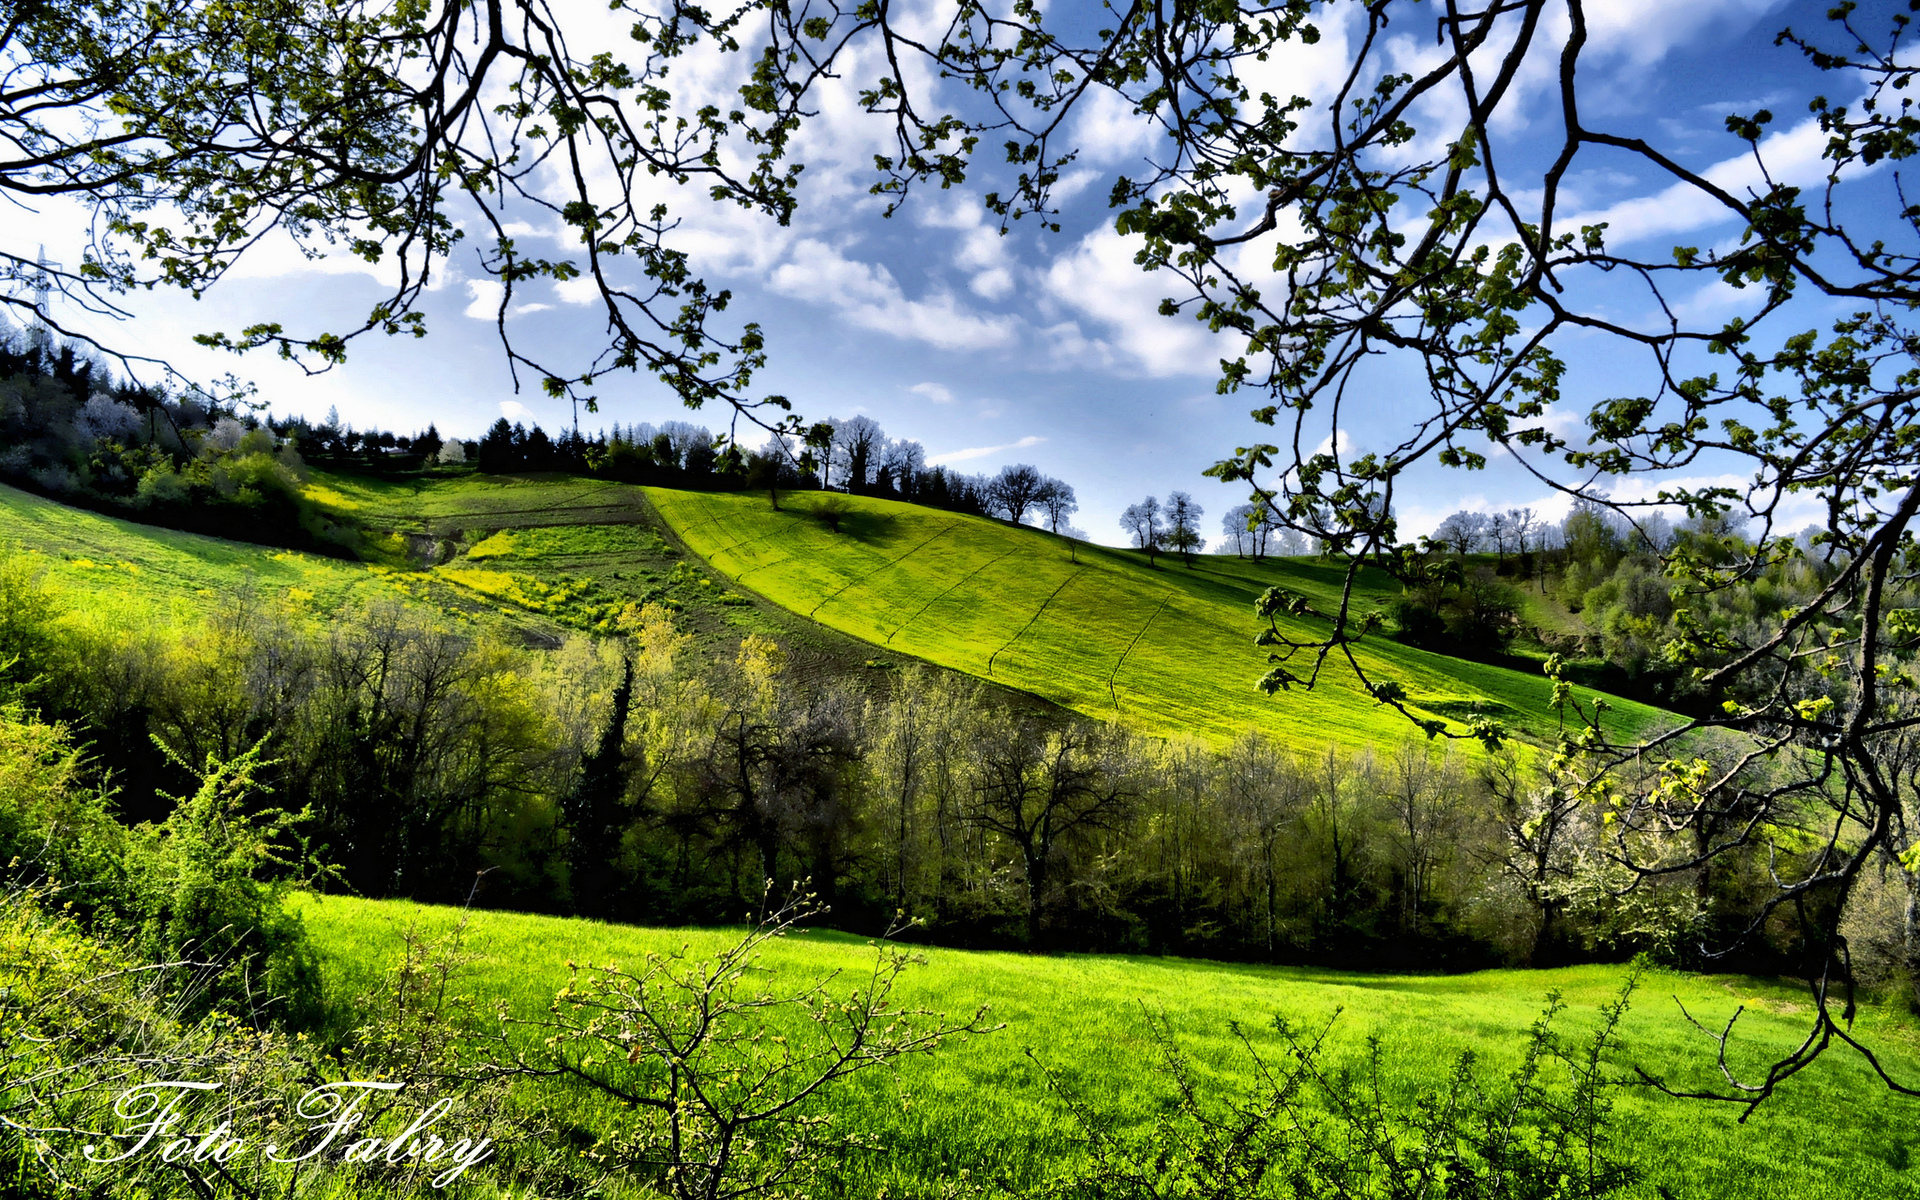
{"points": [[983, 1105], [1167, 649], [1164, 649]]}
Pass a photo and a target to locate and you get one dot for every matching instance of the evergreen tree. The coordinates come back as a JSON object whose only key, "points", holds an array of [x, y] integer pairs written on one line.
{"points": [[593, 811]]}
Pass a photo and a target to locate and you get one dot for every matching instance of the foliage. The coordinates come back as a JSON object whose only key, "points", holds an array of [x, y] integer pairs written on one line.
{"points": [[199, 889], [722, 1067], [68, 430], [1304, 1128], [195, 887]]}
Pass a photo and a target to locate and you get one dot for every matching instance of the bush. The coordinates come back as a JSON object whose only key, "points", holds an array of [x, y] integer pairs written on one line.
{"points": [[192, 887], [198, 892], [1304, 1130]]}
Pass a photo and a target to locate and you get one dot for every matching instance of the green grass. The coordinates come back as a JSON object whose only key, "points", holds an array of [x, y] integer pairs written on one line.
{"points": [[123, 569], [982, 1104], [1167, 650]]}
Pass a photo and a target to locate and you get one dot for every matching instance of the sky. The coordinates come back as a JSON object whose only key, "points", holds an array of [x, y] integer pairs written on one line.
{"points": [[1034, 347]]}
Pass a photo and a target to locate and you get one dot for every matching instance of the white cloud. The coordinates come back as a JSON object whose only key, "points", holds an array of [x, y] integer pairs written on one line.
{"points": [[981, 249], [936, 392], [868, 296], [967, 455], [1099, 278], [1792, 156], [484, 303], [513, 410]]}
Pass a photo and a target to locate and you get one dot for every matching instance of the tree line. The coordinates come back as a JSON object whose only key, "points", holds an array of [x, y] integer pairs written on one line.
{"points": [[636, 778]]}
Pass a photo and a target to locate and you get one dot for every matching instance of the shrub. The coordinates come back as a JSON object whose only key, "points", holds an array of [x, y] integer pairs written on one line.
{"points": [[1305, 1130], [198, 888]]}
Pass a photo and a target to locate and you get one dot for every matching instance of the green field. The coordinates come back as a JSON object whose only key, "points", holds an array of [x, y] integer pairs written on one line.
{"points": [[1168, 650], [140, 572], [982, 1106]]}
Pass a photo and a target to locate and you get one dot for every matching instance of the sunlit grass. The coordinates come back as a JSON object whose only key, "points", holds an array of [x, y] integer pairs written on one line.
{"points": [[982, 1105], [1167, 650]]}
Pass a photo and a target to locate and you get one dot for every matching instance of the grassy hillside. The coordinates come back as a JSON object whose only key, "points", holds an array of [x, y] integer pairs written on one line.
{"points": [[982, 1104], [141, 572], [1167, 650]]}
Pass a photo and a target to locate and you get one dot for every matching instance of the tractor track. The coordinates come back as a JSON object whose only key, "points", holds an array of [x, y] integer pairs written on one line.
{"points": [[947, 528], [1035, 617], [1115, 673], [943, 595]]}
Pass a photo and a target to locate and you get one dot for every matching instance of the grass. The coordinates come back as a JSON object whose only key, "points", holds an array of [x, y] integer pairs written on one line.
{"points": [[1097, 630], [1167, 650], [983, 1106], [141, 572]]}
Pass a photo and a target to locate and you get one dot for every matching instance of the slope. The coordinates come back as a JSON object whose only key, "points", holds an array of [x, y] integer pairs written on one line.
{"points": [[982, 1104], [1167, 650]]}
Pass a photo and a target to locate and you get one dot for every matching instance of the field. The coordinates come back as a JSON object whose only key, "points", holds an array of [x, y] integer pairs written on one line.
{"points": [[982, 1105], [1168, 650], [141, 573], [532, 558]]}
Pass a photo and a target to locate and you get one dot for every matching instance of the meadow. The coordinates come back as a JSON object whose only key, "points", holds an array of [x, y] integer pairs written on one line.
{"points": [[983, 1106], [142, 572], [1165, 649]]}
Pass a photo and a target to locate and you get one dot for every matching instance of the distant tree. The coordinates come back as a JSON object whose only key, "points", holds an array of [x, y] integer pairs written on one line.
{"points": [[428, 444], [497, 450], [700, 458], [1037, 791], [1594, 535], [763, 471], [453, 451], [1015, 490], [539, 452], [1183, 525], [1142, 520], [1249, 527], [1057, 500], [859, 445], [902, 465], [1463, 532], [1499, 535], [595, 810]]}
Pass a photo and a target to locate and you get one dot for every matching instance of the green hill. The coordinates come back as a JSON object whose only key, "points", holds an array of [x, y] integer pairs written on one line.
{"points": [[139, 572], [1168, 650], [982, 1104]]}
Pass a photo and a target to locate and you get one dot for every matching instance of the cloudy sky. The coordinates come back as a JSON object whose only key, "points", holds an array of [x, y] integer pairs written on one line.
{"points": [[1030, 347]]}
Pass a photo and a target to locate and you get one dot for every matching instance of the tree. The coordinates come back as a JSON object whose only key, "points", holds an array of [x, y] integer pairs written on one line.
{"points": [[859, 445], [497, 450], [1183, 525], [1057, 500], [192, 133], [1463, 532], [713, 1103], [1016, 489], [1483, 292], [595, 810], [1142, 521], [1037, 791]]}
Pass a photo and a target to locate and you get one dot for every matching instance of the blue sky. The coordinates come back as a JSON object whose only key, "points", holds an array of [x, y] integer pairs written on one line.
{"points": [[1032, 347]]}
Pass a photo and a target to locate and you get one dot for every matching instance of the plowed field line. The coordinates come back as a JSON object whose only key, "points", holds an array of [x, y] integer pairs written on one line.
{"points": [[1115, 673], [1035, 617], [943, 595], [948, 528]]}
